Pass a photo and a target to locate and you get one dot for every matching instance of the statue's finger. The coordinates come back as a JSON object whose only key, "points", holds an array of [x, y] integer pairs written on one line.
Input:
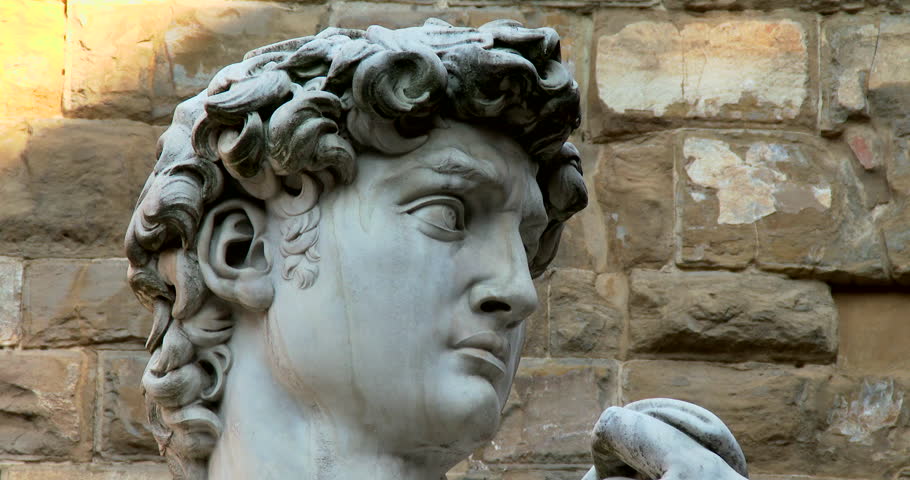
{"points": [[644, 443], [700, 424]]}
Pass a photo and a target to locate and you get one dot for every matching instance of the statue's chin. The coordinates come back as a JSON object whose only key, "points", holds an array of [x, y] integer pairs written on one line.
{"points": [[469, 414]]}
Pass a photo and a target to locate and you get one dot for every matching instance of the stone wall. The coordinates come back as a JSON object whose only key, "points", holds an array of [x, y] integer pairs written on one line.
{"points": [[747, 246]]}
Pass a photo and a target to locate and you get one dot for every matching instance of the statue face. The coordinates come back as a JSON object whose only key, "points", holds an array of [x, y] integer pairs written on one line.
{"points": [[414, 326]]}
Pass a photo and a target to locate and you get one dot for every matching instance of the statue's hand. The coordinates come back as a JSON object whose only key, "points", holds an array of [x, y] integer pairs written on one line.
{"points": [[664, 439]]}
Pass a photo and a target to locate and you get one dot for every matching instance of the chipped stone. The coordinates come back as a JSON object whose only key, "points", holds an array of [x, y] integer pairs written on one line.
{"points": [[875, 407]]}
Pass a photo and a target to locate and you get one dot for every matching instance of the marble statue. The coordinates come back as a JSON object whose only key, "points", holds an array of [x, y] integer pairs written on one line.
{"points": [[338, 243]]}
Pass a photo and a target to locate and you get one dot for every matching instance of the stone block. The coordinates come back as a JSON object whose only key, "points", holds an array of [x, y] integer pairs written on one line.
{"points": [[889, 78], [871, 324], [770, 409], [653, 71], [10, 301], [848, 44], [76, 302], [633, 185], [110, 57], [86, 472], [724, 316], [790, 203], [551, 411], [31, 46], [587, 313], [72, 186], [46, 405], [123, 424]]}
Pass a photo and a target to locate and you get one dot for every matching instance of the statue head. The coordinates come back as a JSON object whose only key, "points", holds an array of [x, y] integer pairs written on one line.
{"points": [[355, 218]]}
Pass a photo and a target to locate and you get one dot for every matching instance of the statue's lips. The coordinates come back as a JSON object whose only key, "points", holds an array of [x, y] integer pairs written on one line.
{"points": [[486, 346]]}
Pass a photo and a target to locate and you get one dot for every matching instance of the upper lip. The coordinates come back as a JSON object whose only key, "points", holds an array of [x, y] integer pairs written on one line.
{"points": [[488, 341]]}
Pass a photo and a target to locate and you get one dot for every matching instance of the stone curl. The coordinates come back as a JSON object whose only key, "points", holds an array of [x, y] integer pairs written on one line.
{"points": [[299, 111]]}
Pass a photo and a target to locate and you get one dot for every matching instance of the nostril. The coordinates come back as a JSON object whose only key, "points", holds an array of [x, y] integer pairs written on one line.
{"points": [[491, 306]]}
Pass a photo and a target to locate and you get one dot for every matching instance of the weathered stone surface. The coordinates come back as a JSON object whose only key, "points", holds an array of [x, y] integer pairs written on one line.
{"points": [[31, 46], [848, 44], [634, 190], [731, 316], [799, 196], [86, 472], [654, 73], [70, 302], [870, 325], [45, 405], [123, 421], [110, 57], [889, 79], [587, 313], [71, 186], [765, 406], [551, 411], [10, 301]]}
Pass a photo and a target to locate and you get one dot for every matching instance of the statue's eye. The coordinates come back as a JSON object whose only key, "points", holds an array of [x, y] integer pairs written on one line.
{"points": [[445, 215]]}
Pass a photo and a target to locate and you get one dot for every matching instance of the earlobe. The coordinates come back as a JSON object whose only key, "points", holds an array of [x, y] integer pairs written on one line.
{"points": [[233, 254]]}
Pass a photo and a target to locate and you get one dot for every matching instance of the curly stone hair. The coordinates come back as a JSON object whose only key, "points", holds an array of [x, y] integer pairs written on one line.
{"points": [[299, 111]]}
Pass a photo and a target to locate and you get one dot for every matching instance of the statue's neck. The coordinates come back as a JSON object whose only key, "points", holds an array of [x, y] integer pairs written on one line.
{"points": [[269, 435]]}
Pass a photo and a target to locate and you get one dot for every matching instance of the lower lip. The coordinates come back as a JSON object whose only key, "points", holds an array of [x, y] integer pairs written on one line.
{"points": [[486, 360]]}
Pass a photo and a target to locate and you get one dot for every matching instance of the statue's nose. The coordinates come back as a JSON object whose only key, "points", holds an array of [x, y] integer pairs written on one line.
{"points": [[506, 290]]}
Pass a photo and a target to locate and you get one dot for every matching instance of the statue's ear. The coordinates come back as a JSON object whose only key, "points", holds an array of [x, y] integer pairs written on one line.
{"points": [[234, 256]]}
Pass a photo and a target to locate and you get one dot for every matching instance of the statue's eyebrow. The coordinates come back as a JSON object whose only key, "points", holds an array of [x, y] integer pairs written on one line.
{"points": [[456, 162]]}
